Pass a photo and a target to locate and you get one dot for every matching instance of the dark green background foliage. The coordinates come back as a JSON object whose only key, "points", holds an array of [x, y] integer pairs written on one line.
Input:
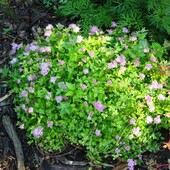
{"points": [[154, 15]]}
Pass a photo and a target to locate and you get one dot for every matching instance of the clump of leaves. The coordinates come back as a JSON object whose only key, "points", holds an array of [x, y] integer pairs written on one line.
{"points": [[107, 92]]}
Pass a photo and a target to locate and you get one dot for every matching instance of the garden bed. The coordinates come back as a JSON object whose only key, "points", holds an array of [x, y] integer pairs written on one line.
{"points": [[22, 27]]}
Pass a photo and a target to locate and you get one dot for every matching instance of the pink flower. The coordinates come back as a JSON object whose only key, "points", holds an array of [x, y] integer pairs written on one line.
{"points": [[159, 86], [168, 91], [74, 27], [113, 24], [53, 79], [83, 86], [109, 82], [32, 83], [117, 150], [148, 66], [21, 126], [131, 164], [24, 107], [109, 31], [125, 30], [122, 60], [157, 120], [38, 132], [131, 136], [153, 59], [139, 156], [48, 96], [132, 121], [94, 29], [136, 131], [47, 33], [154, 85], [26, 53], [44, 72], [61, 62], [112, 65], [14, 60], [24, 93], [58, 99], [18, 81], [117, 137], [49, 123], [79, 39], [161, 97], [49, 27], [45, 68], [31, 90], [42, 49], [85, 71], [29, 78], [98, 133], [47, 49], [136, 62], [100, 107], [120, 39], [146, 50], [133, 38], [20, 69], [91, 54], [151, 107], [127, 148], [149, 119], [62, 85], [142, 76], [31, 110]]}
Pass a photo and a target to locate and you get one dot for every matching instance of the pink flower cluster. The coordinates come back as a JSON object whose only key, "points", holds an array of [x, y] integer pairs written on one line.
{"points": [[131, 164], [74, 27], [48, 30], [155, 85], [50, 123], [34, 47], [45, 68], [136, 62], [120, 59], [136, 131], [38, 132], [15, 47], [100, 107], [156, 120], [94, 30], [150, 103], [148, 67]]}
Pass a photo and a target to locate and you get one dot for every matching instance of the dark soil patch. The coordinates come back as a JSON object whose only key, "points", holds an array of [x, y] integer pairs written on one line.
{"points": [[20, 23]]}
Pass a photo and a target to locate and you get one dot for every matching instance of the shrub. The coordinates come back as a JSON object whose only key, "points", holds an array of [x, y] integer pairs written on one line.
{"points": [[108, 92], [152, 14]]}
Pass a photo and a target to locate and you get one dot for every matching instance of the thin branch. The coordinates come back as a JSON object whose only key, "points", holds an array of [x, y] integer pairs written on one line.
{"points": [[17, 144], [4, 97]]}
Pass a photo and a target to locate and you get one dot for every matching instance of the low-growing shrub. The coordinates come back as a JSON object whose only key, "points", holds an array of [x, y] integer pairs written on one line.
{"points": [[108, 92]]}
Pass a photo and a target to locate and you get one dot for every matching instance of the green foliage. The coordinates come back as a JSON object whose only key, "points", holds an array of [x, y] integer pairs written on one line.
{"points": [[151, 14], [106, 92]]}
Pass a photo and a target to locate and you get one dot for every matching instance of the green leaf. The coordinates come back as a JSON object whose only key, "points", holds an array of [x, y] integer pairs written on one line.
{"points": [[70, 93], [70, 86]]}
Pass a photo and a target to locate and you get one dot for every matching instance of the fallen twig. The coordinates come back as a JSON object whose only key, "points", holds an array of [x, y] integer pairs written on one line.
{"points": [[17, 145], [4, 97]]}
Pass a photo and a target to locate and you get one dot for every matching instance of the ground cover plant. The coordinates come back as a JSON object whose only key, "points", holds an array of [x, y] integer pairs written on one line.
{"points": [[108, 92]]}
